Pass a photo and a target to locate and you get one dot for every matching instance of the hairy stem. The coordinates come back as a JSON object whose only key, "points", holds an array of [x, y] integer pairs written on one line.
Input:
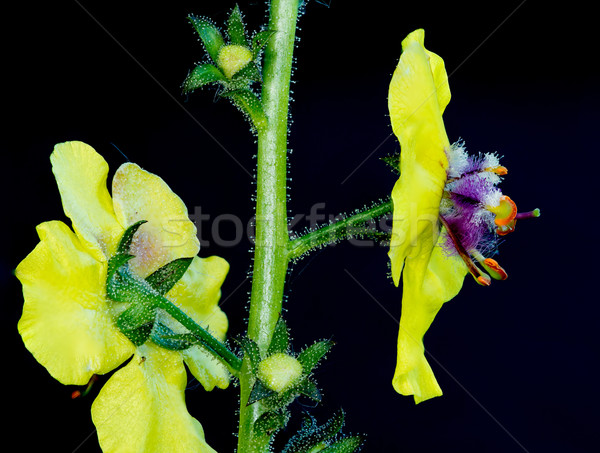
{"points": [[270, 255], [214, 346], [332, 233]]}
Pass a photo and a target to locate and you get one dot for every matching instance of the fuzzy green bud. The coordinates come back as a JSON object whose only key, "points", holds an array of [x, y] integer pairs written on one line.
{"points": [[232, 58], [279, 372]]}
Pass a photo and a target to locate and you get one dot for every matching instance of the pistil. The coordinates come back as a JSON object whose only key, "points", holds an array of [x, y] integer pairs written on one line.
{"points": [[480, 277], [528, 215]]}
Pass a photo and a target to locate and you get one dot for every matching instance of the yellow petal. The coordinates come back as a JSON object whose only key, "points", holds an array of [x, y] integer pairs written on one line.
{"points": [[206, 368], [141, 409], [419, 89], [418, 95], [66, 322], [81, 177], [426, 286], [198, 294], [169, 233]]}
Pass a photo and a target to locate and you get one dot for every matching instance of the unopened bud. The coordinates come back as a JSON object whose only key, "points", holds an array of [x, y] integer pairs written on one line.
{"points": [[279, 372], [232, 58]]}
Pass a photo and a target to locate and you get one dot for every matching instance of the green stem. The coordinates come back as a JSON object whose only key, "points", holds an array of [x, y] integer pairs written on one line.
{"points": [[331, 233], [214, 346], [270, 255]]}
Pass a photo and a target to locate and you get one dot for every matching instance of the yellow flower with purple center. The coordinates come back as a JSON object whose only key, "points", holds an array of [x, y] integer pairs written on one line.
{"points": [[69, 323], [448, 211]]}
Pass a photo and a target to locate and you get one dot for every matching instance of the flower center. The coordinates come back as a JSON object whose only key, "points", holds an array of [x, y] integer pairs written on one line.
{"points": [[475, 213]]}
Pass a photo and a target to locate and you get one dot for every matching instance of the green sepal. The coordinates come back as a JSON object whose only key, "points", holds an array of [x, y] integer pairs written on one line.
{"points": [[138, 336], [259, 40], [118, 278], [209, 34], [249, 104], [311, 435], [115, 289], [281, 338], [235, 27], [127, 238], [164, 278], [271, 421], [249, 73], [201, 75], [136, 315], [286, 397], [310, 357], [251, 351], [259, 391], [166, 338], [392, 161], [346, 445], [333, 426], [309, 389], [137, 320]]}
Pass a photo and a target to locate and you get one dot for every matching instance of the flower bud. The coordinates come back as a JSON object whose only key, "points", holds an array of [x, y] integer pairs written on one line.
{"points": [[232, 58], [279, 372]]}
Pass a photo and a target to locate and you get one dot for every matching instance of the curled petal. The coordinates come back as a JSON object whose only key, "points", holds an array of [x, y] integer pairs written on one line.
{"points": [[66, 322], [141, 409], [81, 177], [426, 286], [169, 234], [418, 95], [198, 294], [209, 371]]}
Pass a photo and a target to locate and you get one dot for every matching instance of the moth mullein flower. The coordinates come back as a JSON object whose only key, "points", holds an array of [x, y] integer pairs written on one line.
{"points": [[448, 211], [68, 324]]}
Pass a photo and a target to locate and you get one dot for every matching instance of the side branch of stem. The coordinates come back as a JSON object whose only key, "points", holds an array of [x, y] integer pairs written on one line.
{"points": [[332, 233]]}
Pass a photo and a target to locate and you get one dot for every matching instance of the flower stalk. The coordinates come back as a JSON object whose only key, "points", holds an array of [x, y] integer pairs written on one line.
{"points": [[350, 226], [202, 336]]}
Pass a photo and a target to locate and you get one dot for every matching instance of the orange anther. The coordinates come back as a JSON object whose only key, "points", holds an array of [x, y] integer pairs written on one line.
{"points": [[499, 170], [78, 393], [495, 268], [484, 280], [505, 212], [503, 230]]}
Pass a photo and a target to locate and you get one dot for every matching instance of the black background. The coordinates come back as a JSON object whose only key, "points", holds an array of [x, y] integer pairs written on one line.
{"points": [[517, 361]]}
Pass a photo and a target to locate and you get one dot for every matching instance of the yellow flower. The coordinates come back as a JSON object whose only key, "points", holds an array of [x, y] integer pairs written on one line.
{"points": [[448, 212], [68, 322], [418, 95]]}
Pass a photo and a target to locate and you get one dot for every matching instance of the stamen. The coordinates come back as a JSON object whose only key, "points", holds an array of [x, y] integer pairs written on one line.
{"points": [[78, 393], [495, 270], [490, 265], [503, 230], [499, 170], [505, 212], [484, 280], [480, 277]]}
